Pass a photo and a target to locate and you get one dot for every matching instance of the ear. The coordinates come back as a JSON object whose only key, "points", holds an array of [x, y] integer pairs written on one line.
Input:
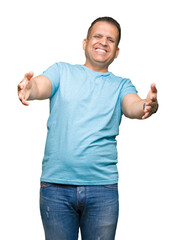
{"points": [[117, 52], [84, 43]]}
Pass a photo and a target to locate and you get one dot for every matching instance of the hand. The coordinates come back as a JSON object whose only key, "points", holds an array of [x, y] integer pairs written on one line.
{"points": [[24, 88], [151, 104]]}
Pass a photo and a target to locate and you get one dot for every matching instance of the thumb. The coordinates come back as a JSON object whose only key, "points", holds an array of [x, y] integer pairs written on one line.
{"points": [[153, 88], [29, 75]]}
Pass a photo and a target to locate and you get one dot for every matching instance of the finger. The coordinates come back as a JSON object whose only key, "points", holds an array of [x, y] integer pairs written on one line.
{"points": [[153, 88], [146, 115], [152, 99], [152, 102], [25, 103], [22, 99], [147, 109], [151, 109], [25, 81], [21, 85], [29, 75]]}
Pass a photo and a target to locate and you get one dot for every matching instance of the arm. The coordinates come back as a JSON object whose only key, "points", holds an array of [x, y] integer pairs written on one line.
{"points": [[34, 88], [132, 104]]}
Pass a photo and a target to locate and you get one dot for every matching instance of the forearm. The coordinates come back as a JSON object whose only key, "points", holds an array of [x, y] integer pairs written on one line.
{"points": [[138, 109], [132, 106], [135, 107], [34, 91], [41, 88]]}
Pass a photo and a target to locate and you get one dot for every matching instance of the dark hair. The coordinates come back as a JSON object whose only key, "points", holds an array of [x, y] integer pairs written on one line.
{"points": [[109, 20]]}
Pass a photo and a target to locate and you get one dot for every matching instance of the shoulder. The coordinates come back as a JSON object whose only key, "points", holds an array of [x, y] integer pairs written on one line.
{"points": [[120, 80], [68, 66]]}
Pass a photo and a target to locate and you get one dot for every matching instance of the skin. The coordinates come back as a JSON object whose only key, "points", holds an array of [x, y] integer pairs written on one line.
{"points": [[132, 104], [103, 36], [30, 88], [100, 50]]}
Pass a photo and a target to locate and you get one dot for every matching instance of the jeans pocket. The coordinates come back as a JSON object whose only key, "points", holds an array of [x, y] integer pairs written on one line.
{"points": [[111, 186]]}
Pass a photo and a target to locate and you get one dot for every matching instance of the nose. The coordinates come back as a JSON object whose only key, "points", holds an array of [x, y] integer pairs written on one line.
{"points": [[104, 41]]}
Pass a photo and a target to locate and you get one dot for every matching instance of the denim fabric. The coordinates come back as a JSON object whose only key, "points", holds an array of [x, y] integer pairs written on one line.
{"points": [[66, 208]]}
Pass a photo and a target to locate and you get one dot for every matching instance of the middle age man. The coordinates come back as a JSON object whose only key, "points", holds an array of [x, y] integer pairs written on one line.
{"points": [[79, 174]]}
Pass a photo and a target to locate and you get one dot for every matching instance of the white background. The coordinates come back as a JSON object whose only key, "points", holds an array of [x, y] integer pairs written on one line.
{"points": [[36, 34]]}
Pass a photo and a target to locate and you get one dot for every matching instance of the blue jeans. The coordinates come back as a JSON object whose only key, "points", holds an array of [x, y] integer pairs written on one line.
{"points": [[66, 208]]}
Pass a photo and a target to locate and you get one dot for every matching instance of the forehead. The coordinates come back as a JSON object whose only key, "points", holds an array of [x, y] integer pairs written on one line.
{"points": [[105, 28]]}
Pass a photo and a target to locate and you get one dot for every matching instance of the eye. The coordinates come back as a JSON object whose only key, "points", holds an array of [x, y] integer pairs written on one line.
{"points": [[111, 40], [97, 36]]}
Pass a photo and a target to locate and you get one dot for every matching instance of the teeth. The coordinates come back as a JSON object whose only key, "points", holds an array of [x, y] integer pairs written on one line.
{"points": [[100, 50]]}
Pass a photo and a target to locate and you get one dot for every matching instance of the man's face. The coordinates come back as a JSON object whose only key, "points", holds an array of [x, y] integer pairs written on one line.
{"points": [[101, 46]]}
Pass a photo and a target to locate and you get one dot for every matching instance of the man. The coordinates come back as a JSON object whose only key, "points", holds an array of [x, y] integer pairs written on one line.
{"points": [[79, 174]]}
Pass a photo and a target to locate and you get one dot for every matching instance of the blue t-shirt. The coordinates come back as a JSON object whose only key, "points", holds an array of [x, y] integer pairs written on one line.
{"points": [[85, 114]]}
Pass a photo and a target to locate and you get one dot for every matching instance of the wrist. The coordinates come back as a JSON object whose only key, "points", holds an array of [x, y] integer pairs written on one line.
{"points": [[33, 91]]}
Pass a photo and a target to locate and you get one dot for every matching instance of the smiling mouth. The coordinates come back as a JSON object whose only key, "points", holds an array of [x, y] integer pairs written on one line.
{"points": [[100, 50]]}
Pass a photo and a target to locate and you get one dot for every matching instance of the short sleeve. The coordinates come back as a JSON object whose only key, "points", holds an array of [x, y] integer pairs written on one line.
{"points": [[53, 74], [127, 88]]}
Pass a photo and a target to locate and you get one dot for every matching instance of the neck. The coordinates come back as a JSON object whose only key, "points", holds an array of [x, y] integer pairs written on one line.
{"points": [[96, 68]]}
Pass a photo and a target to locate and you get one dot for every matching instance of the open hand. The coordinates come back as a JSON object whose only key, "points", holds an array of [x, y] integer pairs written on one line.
{"points": [[24, 88], [151, 104]]}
